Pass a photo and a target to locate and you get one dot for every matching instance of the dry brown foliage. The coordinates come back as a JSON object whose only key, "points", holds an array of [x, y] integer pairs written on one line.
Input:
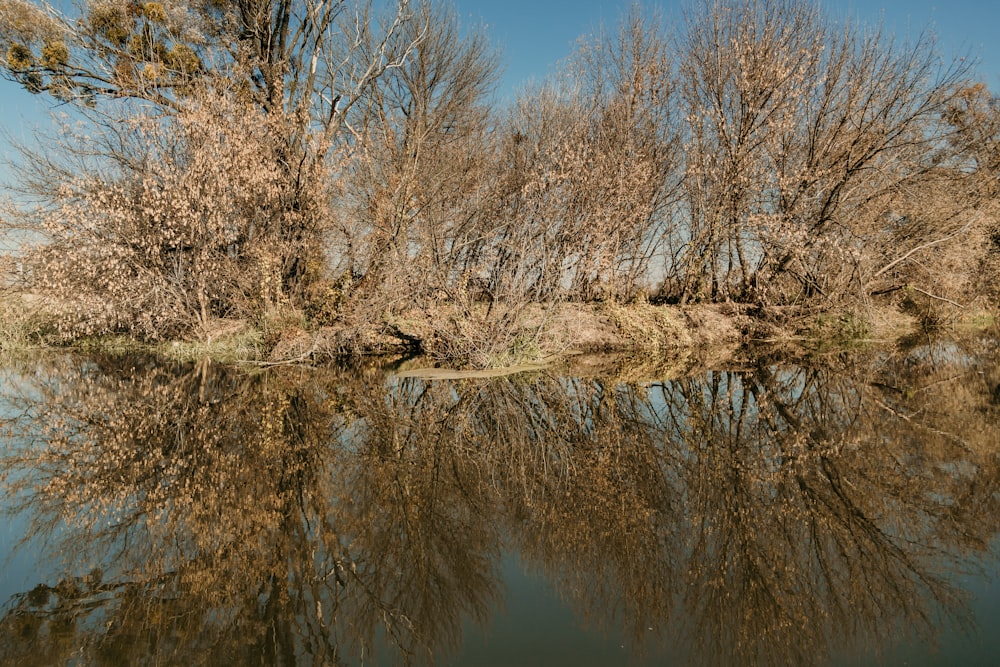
{"points": [[192, 228], [351, 165], [806, 142]]}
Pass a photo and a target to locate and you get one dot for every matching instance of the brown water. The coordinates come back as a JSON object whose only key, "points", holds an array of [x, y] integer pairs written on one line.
{"points": [[841, 509]]}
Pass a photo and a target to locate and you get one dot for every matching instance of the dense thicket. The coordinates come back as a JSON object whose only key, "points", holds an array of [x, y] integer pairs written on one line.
{"points": [[350, 160]]}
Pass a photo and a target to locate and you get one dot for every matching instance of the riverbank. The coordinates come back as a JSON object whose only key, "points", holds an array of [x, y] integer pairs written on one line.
{"points": [[545, 332], [481, 337]]}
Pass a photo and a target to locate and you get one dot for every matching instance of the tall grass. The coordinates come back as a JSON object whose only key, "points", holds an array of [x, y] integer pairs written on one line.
{"points": [[21, 324]]}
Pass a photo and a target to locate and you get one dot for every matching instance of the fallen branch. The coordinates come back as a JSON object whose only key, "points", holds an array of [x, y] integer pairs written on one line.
{"points": [[939, 298], [913, 251]]}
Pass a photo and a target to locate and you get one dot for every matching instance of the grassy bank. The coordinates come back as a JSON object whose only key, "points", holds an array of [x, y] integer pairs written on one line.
{"points": [[479, 337]]}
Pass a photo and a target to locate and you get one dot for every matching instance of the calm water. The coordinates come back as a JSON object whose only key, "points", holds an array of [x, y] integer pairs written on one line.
{"points": [[842, 509]]}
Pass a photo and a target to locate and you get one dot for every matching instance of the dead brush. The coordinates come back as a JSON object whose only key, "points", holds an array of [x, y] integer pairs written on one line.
{"points": [[485, 335]]}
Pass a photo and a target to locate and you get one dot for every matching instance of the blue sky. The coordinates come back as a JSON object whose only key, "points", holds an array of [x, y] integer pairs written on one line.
{"points": [[536, 34]]}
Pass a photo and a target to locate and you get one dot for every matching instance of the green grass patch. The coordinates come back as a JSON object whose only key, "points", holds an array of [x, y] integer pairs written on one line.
{"points": [[648, 327], [978, 320], [841, 328], [246, 345], [114, 345]]}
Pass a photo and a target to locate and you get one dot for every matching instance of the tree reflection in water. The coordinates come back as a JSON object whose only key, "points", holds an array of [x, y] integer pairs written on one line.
{"points": [[765, 516]]}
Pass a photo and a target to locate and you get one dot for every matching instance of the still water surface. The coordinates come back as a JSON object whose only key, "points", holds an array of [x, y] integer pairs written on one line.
{"points": [[840, 509]]}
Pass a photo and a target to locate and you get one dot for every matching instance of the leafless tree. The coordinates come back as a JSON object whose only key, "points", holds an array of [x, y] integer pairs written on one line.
{"points": [[412, 200], [300, 66], [800, 134], [589, 169], [765, 154]]}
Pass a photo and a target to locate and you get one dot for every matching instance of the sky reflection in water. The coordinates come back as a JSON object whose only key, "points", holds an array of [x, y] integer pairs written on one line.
{"points": [[834, 511]]}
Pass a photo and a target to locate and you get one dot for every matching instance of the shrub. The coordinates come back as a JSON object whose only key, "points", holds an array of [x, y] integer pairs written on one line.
{"points": [[194, 226]]}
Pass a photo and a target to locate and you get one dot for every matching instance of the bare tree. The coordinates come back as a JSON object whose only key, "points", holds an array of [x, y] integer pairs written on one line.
{"points": [[188, 232], [974, 114], [767, 154], [800, 134], [589, 169], [298, 65], [414, 188], [744, 65]]}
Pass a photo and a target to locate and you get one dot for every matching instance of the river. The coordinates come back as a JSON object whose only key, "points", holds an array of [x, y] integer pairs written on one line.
{"points": [[833, 508]]}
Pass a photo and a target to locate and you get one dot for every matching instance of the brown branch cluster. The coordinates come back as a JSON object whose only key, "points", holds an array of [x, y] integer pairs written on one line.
{"points": [[764, 154]]}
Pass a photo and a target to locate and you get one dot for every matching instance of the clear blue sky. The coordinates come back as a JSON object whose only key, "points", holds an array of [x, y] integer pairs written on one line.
{"points": [[535, 34]]}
